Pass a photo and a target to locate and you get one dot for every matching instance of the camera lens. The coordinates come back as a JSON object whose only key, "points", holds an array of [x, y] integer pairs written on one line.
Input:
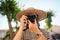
{"points": [[31, 17]]}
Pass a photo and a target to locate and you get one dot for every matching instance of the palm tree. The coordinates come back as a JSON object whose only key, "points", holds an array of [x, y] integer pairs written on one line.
{"points": [[10, 9], [49, 19], [7, 36]]}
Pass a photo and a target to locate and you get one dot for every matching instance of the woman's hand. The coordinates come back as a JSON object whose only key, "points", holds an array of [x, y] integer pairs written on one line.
{"points": [[33, 26], [23, 21]]}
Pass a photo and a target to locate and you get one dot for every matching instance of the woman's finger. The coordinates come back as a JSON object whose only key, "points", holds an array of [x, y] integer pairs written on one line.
{"points": [[29, 21], [35, 21], [24, 16]]}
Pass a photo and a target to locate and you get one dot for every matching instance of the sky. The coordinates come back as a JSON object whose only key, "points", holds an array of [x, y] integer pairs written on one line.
{"points": [[45, 5]]}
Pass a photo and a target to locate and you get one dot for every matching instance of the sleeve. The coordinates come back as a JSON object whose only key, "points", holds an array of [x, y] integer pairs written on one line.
{"points": [[47, 34]]}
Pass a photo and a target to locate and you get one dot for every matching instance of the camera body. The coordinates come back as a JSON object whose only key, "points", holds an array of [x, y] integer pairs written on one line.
{"points": [[31, 18]]}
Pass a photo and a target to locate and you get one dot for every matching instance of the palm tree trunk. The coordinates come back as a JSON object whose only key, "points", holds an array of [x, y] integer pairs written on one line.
{"points": [[10, 30]]}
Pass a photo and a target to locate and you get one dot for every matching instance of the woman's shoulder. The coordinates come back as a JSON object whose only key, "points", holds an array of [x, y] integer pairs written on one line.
{"points": [[47, 34]]}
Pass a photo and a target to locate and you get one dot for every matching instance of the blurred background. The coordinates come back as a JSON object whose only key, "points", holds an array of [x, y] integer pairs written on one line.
{"points": [[9, 23]]}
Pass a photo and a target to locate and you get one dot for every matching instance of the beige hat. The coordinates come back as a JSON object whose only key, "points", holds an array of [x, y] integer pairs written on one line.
{"points": [[29, 11]]}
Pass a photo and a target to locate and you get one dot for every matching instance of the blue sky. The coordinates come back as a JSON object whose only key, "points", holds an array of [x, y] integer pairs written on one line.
{"points": [[39, 4]]}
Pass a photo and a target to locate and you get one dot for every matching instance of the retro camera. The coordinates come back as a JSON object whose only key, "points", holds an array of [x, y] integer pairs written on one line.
{"points": [[31, 18]]}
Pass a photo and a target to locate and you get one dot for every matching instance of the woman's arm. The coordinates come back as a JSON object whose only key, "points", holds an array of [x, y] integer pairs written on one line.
{"points": [[23, 21], [41, 36], [19, 34], [34, 28]]}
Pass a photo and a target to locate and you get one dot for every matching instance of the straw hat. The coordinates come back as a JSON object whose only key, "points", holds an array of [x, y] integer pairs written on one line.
{"points": [[30, 11]]}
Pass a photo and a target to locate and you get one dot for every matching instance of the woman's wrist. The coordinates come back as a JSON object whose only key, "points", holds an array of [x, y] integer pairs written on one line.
{"points": [[21, 26], [38, 32]]}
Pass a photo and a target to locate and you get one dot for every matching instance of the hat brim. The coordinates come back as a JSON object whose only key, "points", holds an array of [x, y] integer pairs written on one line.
{"points": [[41, 14]]}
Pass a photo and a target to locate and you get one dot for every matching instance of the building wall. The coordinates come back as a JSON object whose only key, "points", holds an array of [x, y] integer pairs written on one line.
{"points": [[2, 33]]}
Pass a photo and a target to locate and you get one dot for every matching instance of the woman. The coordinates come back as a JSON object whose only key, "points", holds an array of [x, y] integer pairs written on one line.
{"points": [[30, 30]]}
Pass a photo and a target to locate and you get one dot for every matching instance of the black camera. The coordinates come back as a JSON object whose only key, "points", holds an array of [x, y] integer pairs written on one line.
{"points": [[31, 18]]}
